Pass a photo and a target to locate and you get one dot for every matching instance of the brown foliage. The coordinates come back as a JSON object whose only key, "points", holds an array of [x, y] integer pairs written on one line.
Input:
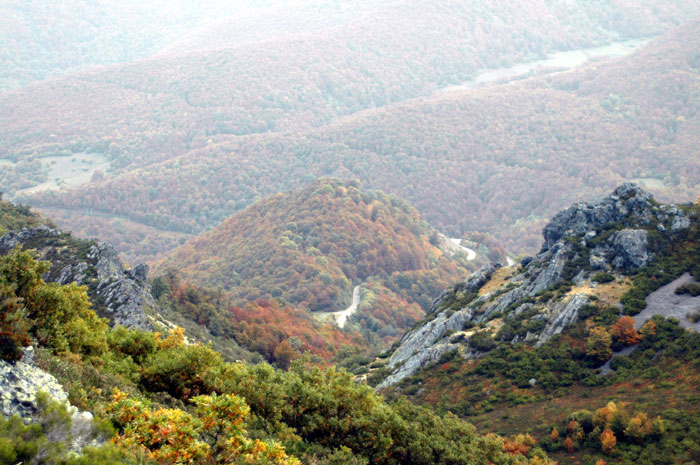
{"points": [[569, 444], [623, 331], [618, 111], [608, 441], [519, 444]]}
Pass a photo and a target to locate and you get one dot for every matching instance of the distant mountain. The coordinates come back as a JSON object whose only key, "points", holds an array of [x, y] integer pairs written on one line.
{"points": [[605, 312], [42, 40], [164, 106], [499, 158], [308, 249]]}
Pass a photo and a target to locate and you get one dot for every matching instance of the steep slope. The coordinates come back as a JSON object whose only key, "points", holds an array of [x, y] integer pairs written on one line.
{"points": [[492, 159], [118, 293], [586, 312], [150, 398], [310, 248]]}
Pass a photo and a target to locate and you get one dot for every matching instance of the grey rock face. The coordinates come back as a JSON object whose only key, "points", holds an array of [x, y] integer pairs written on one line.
{"points": [[552, 273], [424, 345], [139, 272], [13, 238], [628, 199], [19, 384], [630, 246], [680, 222], [597, 260], [561, 316], [106, 260], [412, 365], [480, 277], [423, 337], [126, 300], [124, 296]]}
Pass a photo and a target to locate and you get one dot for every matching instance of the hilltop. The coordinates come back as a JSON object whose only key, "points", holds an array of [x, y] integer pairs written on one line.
{"points": [[609, 299], [309, 248]]}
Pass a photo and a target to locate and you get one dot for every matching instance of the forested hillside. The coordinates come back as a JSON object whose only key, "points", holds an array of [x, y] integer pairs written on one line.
{"points": [[488, 159], [76, 391], [46, 39], [155, 109], [308, 249]]}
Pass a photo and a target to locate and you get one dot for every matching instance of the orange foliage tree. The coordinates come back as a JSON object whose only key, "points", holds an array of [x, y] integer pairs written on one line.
{"points": [[519, 444], [555, 434], [569, 444], [608, 441], [212, 434], [623, 331]]}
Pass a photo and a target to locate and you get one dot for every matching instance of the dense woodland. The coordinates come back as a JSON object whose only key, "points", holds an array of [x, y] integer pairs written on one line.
{"points": [[267, 157], [161, 400], [486, 159], [308, 249]]}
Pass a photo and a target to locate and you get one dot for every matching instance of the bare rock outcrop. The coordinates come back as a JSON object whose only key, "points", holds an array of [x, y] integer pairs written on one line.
{"points": [[534, 304], [119, 294]]}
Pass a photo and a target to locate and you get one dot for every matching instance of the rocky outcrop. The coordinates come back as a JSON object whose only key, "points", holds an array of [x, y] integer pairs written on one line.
{"points": [[628, 200], [14, 238], [20, 383], [121, 295], [630, 246], [420, 346], [608, 235], [480, 277], [554, 260], [561, 316]]}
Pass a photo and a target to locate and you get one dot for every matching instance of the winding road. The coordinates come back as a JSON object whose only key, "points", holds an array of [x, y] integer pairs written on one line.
{"points": [[471, 254], [342, 316]]}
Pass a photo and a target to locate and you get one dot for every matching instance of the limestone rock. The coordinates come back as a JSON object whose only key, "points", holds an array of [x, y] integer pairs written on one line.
{"points": [[480, 277], [19, 384], [627, 200], [124, 296], [630, 249], [562, 315], [680, 222]]}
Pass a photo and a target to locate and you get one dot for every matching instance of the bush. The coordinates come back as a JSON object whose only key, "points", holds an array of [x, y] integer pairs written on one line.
{"points": [[603, 277], [690, 288], [57, 316], [181, 371]]}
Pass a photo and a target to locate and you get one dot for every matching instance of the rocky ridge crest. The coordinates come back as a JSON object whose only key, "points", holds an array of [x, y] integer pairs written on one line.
{"points": [[122, 295], [542, 296]]}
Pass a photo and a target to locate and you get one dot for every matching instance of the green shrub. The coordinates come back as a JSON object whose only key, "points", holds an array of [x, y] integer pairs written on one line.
{"points": [[181, 371], [690, 288], [603, 277]]}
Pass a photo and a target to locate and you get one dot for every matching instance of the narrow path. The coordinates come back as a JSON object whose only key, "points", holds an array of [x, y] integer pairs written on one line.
{"points": [[342, 316], [471, 254]]}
